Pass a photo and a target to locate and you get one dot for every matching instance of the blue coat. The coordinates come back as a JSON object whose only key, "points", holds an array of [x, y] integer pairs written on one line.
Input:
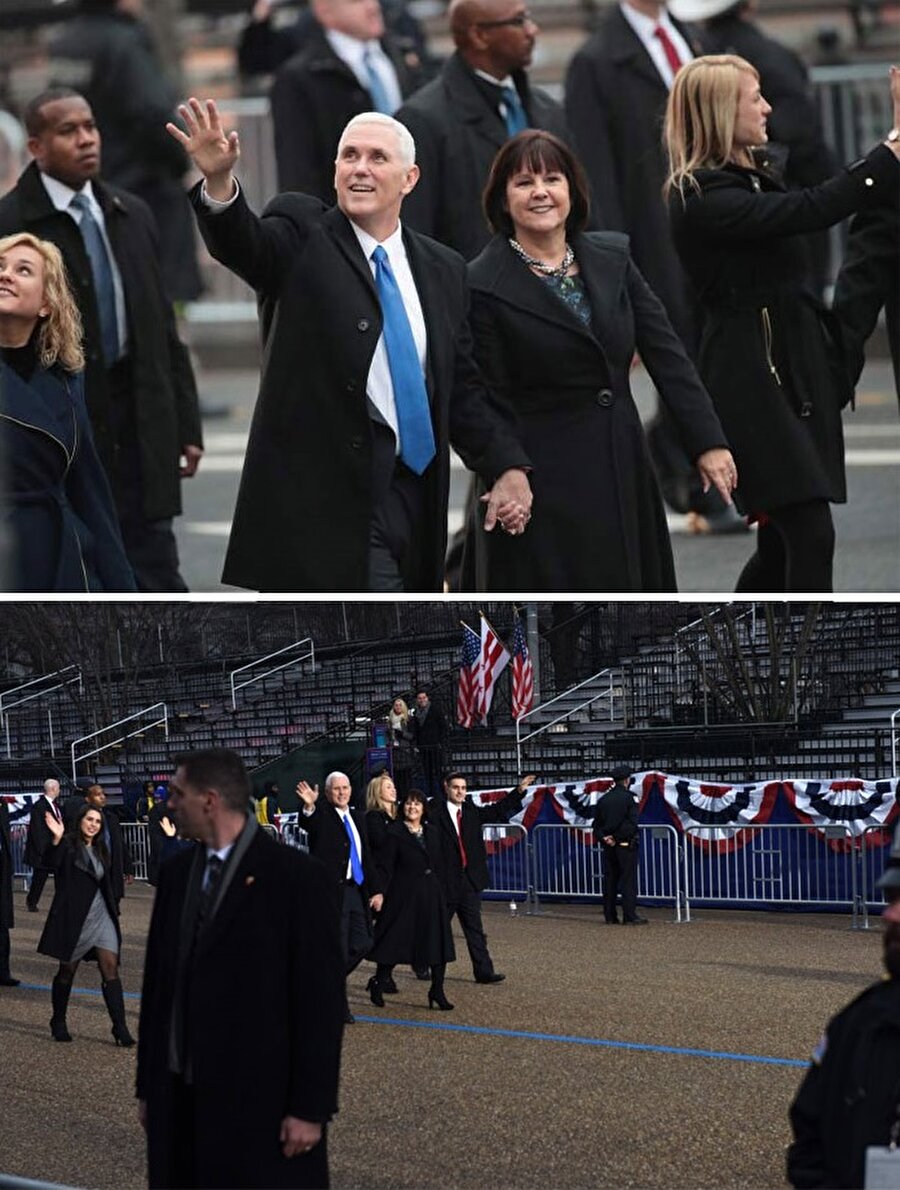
{"points": [[57, 509]]}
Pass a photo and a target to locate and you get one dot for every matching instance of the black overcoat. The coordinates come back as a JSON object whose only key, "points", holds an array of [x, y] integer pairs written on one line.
{"points": [[598, 522], [414, 923], [330, 844], [617, 815], [271, 951], [165, 396], [7, 910], [377, 824], [39, 837], [313, 97], [615, 104], [473, 818], [75, 888], [57, 507], [869, 280], [457, 133], [120, 862], [770, 354], [295, 527]]}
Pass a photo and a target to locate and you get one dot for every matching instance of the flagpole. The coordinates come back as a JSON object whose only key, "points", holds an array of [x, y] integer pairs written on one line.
{"points": [[534, 648]]}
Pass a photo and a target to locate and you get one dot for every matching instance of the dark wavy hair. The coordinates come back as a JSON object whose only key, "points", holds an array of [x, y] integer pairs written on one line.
{"points": [[541, 152], [73, 832]]}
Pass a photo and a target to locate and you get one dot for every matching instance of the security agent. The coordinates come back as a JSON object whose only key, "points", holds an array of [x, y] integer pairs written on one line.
{"points": [[849, 1100], [616, 829]]}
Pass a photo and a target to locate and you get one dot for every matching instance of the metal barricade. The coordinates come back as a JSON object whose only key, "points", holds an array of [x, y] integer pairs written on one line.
{"points": [[18, 834], [134, 837], [873, 854], [294, 835], [566, 863], [772, 865], [508, 859]]}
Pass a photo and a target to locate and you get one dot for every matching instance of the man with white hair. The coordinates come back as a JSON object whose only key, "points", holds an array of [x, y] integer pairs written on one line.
{"points": [[367, 377], [339, 839], [39, 839]]}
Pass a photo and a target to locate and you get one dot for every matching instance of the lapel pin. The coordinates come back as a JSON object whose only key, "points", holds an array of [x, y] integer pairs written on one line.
{"points": [[249, 880]]}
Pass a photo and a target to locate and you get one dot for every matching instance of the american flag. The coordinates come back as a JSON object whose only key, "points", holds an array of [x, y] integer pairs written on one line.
{"points": [[467, 698], [522, 672], [494, 659]]}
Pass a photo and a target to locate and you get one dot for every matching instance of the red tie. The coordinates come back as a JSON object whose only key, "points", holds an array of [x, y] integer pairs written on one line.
{"points": [[55, 809], [668, 48], [462, 846]]}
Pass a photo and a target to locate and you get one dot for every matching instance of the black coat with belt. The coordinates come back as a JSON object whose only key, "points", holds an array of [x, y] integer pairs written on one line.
{"points": [[414, 923], [76, 885], [56, 503], [271, 947], [296, 527], [314, 95], [473, 818], [615, 104], [770, 355], [7, 911], [598, 521], [166, 408], [458, 130]]}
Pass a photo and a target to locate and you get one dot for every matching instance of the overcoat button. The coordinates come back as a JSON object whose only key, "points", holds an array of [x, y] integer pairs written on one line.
{"points": [[604, 397], [363, 324], [356, 443]]}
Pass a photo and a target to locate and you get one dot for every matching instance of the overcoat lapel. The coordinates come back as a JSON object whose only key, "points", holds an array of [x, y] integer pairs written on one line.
{"points": [[36, 404]]}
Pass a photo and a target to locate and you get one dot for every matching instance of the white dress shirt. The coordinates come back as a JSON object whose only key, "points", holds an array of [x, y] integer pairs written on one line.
{"points": [[61, 196], [351, 50], [348, 817], [644, 27], [498, 83]]}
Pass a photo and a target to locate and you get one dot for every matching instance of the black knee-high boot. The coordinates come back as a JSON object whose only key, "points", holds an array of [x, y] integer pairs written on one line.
{"points": [[115, 1006], [436, 997], [60, 990]]}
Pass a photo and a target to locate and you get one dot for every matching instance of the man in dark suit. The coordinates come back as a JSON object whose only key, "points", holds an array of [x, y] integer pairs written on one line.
{"points": [[465, 860], [615, 828], [121, 866], [348, 66], [868, 282], [338, 837], [460, 119], [617, 87], [39, 839], [430, 736], [368, 375], [139, 386], [7, 912], [239, 921]]}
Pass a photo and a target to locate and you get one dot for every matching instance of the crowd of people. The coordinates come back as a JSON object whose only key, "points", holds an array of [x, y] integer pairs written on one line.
{"points": [[493, 264]]}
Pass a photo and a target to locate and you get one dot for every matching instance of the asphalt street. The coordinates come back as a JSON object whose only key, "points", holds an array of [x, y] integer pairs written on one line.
{"points": [[868, 526]]}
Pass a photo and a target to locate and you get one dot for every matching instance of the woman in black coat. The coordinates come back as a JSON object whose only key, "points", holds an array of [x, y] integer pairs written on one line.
{"points": [[557, 315], [770, 353], [56, 504], [414, 924], [83, 921]]}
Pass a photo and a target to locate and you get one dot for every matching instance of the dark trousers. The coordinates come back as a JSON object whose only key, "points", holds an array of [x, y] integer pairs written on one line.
{"points": [[4, 953], [398, 515], [38, 880], [356, 934], [150, 546], [467, 908], [794, 551], [620, 875]]}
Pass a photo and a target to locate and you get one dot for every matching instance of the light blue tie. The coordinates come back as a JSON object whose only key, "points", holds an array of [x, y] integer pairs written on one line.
{"points": [[377, 89], [355, 861], [410, 395], [514, 114], [103, 278]]}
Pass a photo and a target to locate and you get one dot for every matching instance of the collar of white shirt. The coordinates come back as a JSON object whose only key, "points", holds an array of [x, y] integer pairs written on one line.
{"points": [[393, 245], [489, 78], [351, 49], [61, 195]]}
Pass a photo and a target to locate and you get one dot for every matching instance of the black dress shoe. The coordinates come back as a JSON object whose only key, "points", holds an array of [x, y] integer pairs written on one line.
{"points": [[636, 921], [31, 908], [494, 977], [612, 921], [389, 987], [7, 981]]}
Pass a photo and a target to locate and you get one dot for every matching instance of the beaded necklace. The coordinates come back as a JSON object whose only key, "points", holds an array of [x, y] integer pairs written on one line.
{"points": [[548, 270]]}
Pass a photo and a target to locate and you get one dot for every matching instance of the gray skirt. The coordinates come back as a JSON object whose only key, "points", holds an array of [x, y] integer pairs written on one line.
{"points": [[98, 928]]}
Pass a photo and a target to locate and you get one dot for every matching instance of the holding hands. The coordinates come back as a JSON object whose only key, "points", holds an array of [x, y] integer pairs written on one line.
{"points": [[213, 151], [718, 469]]}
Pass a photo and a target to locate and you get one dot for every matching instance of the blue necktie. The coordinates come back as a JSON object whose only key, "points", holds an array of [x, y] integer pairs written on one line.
{"points": [[514, 115], [355, 861], [410, 395], [377, 89], [103, 278]]}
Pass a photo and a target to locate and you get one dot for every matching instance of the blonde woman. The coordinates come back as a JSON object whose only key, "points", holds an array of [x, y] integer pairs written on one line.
{"points": [[404, 753], [771, 355], [57, 511]]}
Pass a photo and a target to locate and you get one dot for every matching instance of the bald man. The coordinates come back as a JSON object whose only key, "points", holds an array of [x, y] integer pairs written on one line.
{"points": [[348, 65], [461, 118]]}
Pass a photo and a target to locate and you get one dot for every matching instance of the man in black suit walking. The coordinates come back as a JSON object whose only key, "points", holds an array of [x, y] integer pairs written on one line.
{"points": [[465, 860], [339, 839], [430, 737], [7, 912], [615, 828], [239, 922], [139, 387], [368, 374], [39, 839], [121, 865]]}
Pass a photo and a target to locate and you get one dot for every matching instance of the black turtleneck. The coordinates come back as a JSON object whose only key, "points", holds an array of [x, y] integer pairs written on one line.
{"points": [[23, 360]]}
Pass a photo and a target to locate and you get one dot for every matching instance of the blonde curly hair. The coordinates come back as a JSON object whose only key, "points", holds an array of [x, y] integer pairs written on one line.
{"points": [[60, 334]]}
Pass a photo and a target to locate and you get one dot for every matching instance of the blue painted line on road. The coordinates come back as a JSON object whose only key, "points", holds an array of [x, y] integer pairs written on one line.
{"points": [[45, 987], [603, 1043]]}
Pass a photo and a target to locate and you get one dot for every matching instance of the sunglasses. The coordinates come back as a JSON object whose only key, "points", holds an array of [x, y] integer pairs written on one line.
{"points": [[519, 21]]}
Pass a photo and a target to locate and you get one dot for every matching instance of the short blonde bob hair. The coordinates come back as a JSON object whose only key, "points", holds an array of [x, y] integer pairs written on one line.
{"points": [[59, 337], [700, 117]]}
